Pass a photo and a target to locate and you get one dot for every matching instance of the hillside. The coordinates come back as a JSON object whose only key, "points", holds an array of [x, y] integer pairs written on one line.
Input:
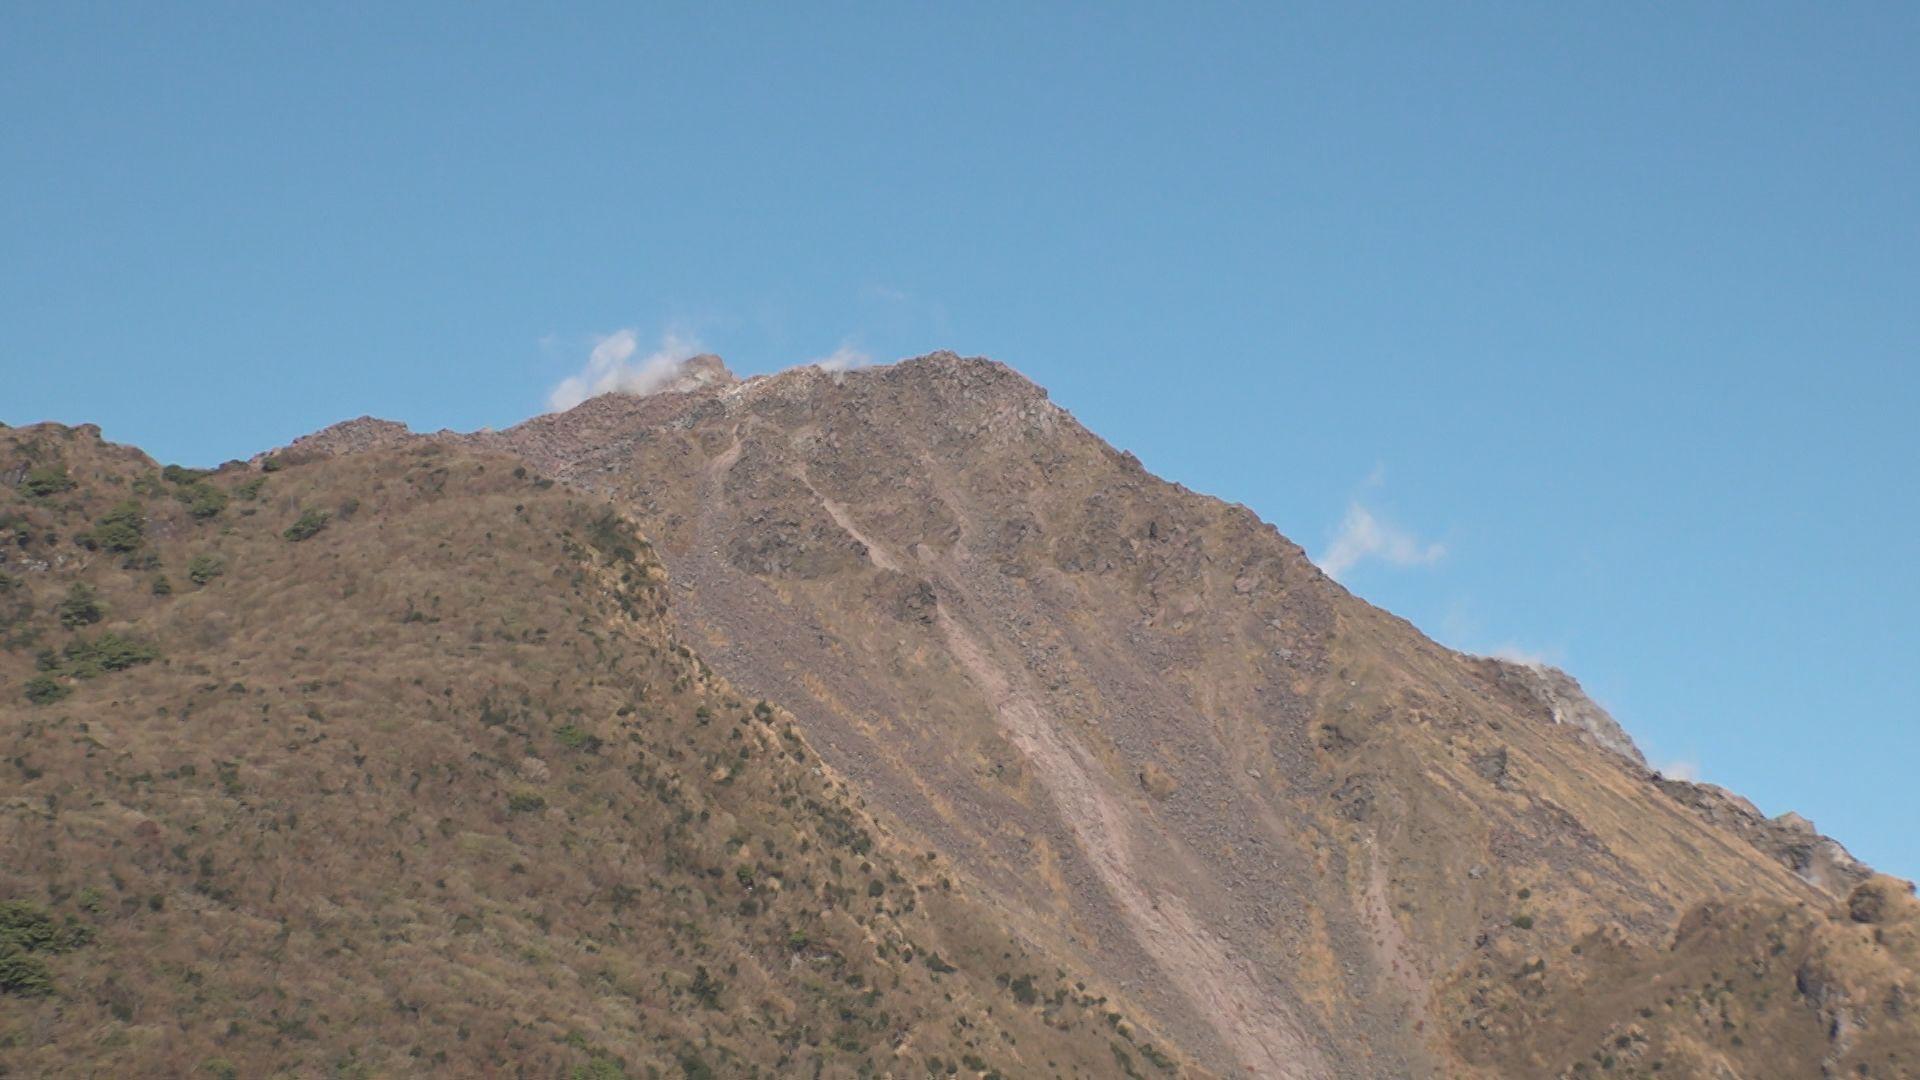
{"points": [[1180, 753], [884, 722], [391, 765]]}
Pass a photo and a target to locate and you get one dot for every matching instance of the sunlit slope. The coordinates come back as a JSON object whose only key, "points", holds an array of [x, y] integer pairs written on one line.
{"points": [[391, 765]]}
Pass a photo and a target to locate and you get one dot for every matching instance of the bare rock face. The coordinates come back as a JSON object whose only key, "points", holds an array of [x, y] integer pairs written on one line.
{"points": [[1563, 699], [1789, 839], [703, 370]]}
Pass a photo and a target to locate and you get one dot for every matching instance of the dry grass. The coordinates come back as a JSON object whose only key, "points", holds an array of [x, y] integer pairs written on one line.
{"points": [[434, 789], [1743, 989]]}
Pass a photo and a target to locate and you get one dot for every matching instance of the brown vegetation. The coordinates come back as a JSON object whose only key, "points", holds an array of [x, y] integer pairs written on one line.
{"points": [[435, 789]]}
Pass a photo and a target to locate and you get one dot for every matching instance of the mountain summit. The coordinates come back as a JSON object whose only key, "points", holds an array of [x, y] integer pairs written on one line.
{"points": [[1121, 748]]}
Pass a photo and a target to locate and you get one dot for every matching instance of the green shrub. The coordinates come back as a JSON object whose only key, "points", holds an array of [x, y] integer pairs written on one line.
{"points": [[80, 607], [141, 560], [161, 586], [26, 930], [108, 652], [705, 988], [613, 537], [525, 802], [24, 974], [270, 464], [1523, 922], [203, 499], [122, 528], [45, 690], [311, 522], [46, 480], [180, 474], [250, 490], [574, 738], [25, 926], [204, 568]]}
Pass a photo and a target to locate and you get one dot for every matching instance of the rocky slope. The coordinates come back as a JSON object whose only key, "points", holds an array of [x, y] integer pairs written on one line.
{"points": [[1146, 722], [1161, 751]]}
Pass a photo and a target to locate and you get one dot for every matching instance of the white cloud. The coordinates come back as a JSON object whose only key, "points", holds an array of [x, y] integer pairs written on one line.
{"points": [[842, 359], [1680, 770], [612, 368], [1363, 536], [1519, 654]]}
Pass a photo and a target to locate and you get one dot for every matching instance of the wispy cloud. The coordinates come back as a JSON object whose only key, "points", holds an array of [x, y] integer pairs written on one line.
{"points": [[902, 315], [1519, 654], [845, 357], [612, 367], [1364, 536], [1680, 770]]}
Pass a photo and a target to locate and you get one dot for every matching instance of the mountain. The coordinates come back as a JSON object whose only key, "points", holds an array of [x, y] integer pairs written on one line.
{"points": [[1162, 797]]}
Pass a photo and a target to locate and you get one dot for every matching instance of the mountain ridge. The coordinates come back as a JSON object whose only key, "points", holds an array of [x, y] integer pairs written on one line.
{"points": [[1164, 749], [1558, 692]]}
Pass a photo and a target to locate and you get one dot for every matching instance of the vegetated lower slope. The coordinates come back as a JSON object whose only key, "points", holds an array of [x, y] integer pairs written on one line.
{"points": [[393, 765], [1742, 989], [1314, 842]]}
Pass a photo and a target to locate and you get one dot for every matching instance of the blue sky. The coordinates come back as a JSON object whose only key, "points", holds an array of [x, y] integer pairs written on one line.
{"points": [[1598, 325]]}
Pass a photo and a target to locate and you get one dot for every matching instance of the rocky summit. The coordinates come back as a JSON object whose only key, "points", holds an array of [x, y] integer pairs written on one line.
{"points": [[882, 722]]}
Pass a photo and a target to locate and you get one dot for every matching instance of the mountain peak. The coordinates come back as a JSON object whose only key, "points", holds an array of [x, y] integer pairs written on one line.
{"points": [[351, 436], [705, 369]]}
